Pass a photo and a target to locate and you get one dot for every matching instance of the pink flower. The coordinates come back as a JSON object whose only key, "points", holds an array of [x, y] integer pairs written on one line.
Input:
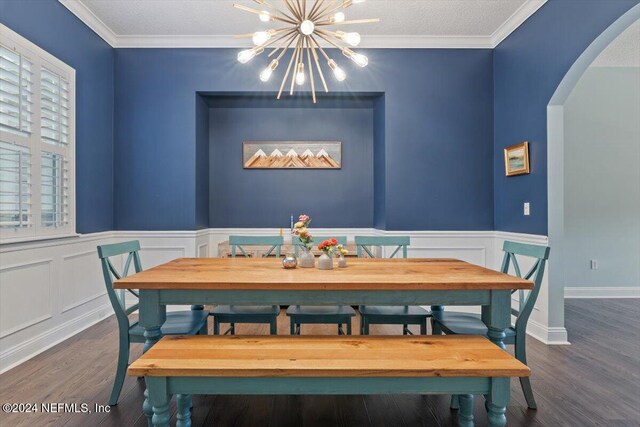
{"points": [[303, 218]]}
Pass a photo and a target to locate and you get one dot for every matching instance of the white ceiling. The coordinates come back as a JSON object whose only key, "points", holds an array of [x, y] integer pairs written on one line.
{"points": [[624, 51], [212, 23]]}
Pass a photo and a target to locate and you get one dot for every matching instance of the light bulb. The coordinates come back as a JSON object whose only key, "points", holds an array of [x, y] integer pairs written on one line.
{"points": [[261, 37], [264, 16], [307, 27], [338, 72], [300, 77], [351, 38], [247, 55], [338, 17], [358, 58], [265, 75]]}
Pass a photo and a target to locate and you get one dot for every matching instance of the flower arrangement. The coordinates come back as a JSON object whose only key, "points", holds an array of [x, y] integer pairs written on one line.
{"points": [[341, 251], [328, 246], [301, 229]]}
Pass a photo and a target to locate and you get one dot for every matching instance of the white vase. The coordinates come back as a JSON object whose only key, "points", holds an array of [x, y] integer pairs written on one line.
{"points": [[342, 262], [306, 260], [325, 262]]}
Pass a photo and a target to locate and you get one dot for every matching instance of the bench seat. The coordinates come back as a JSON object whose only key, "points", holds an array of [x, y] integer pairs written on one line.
{"points": [[459, 364]]}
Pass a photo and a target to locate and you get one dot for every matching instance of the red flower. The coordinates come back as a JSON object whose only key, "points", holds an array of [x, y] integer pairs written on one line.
{"points": [[333, 241]]}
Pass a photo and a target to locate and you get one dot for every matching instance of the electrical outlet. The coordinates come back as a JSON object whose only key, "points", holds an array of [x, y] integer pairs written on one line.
{"points": [[527, 208], [594, 264]]}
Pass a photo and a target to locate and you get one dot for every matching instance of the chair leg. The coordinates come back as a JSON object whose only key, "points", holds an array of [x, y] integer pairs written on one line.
{"points": [[348, 326], [525, 382], [121, 371], [362, 321], [423, 328], [465, 417], [298, 331], [232, 328], [365, 328], [292, 326], [274, 326], [405, 329], [435, 327], [340, 331], [205, 329], [216, 327]]}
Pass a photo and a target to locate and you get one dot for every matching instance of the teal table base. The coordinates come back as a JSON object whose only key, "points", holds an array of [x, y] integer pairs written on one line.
{"points": [[496, 306]]}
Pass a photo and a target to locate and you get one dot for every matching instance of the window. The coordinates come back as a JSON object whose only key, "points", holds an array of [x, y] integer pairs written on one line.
{"points": [[37, 142]]}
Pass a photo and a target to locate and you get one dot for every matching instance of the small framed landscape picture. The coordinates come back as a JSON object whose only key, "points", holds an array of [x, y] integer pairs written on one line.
{"points": [[516, 159]]}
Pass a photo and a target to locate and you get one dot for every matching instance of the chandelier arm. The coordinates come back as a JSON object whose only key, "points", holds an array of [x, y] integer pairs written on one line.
{"points": [[304, 9], [286, 74], [292, 9], [313, 85], [314, 8], [327, 57], [299, 9], [281, 12], [295, 66], [315, 57], [247, 35], [352, 22], [270, 42], [288, 44], [258, 12], [328, 40], [328, 12], [321, 11]]}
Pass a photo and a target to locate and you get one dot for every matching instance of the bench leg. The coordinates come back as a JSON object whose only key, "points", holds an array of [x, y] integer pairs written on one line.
{"points": [[455, 402], [147, 409], [498, 400], [159, 399], [465, 417], [183, 416]]}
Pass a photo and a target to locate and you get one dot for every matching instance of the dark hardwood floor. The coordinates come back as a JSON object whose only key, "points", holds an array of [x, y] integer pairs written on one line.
{"points": [[593, 382]]}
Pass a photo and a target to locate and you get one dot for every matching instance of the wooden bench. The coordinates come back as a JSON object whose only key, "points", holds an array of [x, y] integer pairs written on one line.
{"points": [[462, 365]]}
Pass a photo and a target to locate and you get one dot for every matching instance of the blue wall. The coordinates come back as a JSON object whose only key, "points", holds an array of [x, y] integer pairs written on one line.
{"points": [[438, 133], [528, 67], [267, 198], [48, 24]]}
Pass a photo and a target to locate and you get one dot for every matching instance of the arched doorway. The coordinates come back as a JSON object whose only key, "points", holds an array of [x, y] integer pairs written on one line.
{"points": [[556, 162]]}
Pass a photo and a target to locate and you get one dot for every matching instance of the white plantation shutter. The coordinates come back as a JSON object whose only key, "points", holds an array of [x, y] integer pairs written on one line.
{"points": [[37, 142], [54, 108], [16, 92], [15, 186], [54, 193]]}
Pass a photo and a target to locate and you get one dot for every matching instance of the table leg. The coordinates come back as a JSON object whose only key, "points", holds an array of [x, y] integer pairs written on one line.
{"points": [[183, 415], [497, 316], [498, 401], [159, 399], [465, 417], [152, 316]]}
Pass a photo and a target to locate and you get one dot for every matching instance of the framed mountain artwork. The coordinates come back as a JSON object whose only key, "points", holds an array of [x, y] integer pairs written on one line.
{"points": [[292, 155]]}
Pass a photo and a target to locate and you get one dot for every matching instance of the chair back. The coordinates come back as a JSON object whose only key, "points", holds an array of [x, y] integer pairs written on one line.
{"points": [[111, 274], [238, 243], [297, 244], [364, 244], [526, 300]]}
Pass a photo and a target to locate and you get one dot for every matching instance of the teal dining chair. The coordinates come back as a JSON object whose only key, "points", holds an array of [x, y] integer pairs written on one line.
{"points": [[192, 322], [472, 324], [233, 314], [389, 315], [312, 314]]}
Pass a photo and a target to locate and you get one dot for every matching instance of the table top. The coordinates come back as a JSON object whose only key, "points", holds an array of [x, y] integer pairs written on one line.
{"points": [[327, 356], [360, 274]]}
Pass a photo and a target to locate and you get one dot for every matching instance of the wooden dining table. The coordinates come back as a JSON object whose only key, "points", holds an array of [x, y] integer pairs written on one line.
{"points": [[264, 281]]}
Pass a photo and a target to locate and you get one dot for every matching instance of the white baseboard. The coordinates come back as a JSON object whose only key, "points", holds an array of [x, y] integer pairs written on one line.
{"points": [[602, 292], [547, 335], [30, 348]]}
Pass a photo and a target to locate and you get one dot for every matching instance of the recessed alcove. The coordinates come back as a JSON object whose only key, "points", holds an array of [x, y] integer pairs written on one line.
{"points": [[248, 198]]}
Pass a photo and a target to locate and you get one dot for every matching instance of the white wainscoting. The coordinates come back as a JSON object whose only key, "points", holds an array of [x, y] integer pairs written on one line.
{"points": [[51, 290]]}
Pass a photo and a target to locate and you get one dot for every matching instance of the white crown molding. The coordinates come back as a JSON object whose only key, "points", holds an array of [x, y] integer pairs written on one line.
{"points": [[371, 42], [518, 18], [91, 20]]}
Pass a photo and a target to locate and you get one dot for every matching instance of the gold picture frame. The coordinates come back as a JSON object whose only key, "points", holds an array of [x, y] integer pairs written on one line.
{"points": [[516, 159]]}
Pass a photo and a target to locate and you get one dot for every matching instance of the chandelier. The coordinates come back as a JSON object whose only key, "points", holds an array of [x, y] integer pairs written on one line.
{"points": [[304, 26]]}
